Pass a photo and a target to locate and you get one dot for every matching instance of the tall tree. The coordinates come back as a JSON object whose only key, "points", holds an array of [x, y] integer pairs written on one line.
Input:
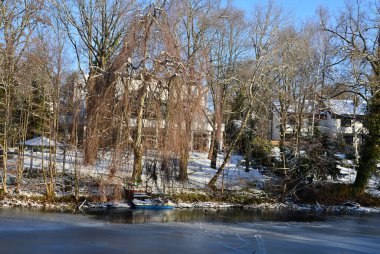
{"points": [[96, 30], [18, 21], [265, 24], [357, 31], [150, 65], [229, 43], [192, 20]]}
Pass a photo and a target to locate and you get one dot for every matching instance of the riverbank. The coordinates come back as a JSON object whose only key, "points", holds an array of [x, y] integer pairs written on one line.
{"points": [[97, 189], [70, 205]]}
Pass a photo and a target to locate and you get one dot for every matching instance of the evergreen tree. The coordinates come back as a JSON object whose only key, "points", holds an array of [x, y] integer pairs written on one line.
{"points": [[39, 111], [370, 152]]}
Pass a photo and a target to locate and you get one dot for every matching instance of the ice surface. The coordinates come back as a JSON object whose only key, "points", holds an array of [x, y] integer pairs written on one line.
{"points": [[63, 233]]}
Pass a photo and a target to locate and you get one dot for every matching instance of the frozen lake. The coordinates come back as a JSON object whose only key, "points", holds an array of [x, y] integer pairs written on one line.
{"points": [[185, 231]]}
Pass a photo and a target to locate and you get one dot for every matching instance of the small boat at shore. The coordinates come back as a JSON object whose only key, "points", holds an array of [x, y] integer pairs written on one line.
{"points": [[137, 198], [150, 203], [144, 201]]}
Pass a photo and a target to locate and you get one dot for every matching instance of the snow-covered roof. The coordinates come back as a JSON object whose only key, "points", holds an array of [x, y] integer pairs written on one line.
{"points": [[42, 142], [346, 107], [309, 106]]}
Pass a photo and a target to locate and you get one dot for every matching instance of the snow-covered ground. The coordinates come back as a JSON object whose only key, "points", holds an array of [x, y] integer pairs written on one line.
{"points": [[234, 177], [347, 174], [373, 187], [199, 171], [199, 174]]}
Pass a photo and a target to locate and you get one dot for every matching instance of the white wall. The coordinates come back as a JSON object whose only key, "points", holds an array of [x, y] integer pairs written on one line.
{"points": [[333, 126]]}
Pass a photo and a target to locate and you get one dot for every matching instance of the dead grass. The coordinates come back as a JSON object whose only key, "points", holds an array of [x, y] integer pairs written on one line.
{"points": [[335, 194]]}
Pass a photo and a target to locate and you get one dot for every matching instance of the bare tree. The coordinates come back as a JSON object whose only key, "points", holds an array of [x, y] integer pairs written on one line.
{"points": [[18, 22], [228, 46], [265, 25], [357, 33], [147, 76], [192, 25], [96, 31]]}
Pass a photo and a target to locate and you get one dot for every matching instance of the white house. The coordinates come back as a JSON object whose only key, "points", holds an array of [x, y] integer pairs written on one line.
{"points": [[201, 130], [308, 110], [337, 118], [343, 119]]}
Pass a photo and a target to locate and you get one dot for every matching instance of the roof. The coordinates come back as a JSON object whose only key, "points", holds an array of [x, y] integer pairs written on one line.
{"points": [[42, 142], [346, 107], [310, 106]]}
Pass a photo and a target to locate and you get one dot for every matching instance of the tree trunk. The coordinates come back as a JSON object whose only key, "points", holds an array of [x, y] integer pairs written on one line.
{"points": [[184, 160], [21, 153], [137, 148], [214, 154], [185, 150], [5, 140], [283, 151], [217, 128], [217, 140], [91, 132], [212, 183], [211, 150]]}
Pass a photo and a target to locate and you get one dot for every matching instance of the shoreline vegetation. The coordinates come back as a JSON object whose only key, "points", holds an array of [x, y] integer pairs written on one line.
{"points": [[238, 189], [82, 207], [255, 200]]}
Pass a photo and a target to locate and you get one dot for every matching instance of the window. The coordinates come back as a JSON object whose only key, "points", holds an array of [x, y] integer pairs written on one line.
{"points": [[348, 139], [323, 116], [292, 120], [200, 141], [345, 122]]}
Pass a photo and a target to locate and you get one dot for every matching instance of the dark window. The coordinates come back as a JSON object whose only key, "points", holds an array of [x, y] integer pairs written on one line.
{"points": [[289, 136], [345, 122], [323, 116], [200, 141], [348, 139], [292, 120]]}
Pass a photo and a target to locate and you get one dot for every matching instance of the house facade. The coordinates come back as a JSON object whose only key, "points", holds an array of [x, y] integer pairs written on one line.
{"points": [[343, 119], [340, 119], [302, 117], [201, 129]]}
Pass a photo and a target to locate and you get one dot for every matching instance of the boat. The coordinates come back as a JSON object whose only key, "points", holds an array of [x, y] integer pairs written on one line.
{"points": [[141, 199], [144, 201]]}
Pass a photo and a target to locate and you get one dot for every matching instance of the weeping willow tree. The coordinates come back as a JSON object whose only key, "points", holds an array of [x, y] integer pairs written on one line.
{"points": [[97, 29]]}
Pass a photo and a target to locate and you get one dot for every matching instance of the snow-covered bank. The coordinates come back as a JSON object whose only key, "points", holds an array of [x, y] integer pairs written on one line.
{"points": [[101, 190], [256, 208], [373, 187], [199, 171], [36, 203]]}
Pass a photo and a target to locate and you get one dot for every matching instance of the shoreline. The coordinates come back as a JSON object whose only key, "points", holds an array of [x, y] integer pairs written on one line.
{"points": [[24, 202]]}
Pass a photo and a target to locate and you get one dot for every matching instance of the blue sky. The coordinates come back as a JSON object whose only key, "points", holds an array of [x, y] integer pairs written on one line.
{"points": [[302, 9]]}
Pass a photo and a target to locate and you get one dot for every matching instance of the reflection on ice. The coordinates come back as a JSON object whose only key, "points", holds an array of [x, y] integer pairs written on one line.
{"points": [[228, 215]]}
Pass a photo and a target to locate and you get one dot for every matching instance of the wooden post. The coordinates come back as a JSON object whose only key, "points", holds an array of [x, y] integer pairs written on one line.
{"points": [[31, 161], [222, 182], [64, 161]]}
